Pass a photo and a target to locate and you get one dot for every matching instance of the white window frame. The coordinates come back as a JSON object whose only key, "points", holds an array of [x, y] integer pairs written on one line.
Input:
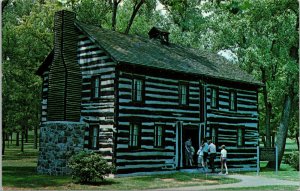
{"points": [[183, 94], [214, 97], [137, 90], [134, 133], [213, 134], [158, 136], [94, 137], [96, 81], [232, 100]]}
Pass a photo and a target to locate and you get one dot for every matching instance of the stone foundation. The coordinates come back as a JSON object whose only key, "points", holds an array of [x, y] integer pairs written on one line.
{"points": [[59, 140]]}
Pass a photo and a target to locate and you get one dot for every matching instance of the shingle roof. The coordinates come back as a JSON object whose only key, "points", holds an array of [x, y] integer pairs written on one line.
{"points": [[145, 52], [47, 61]]}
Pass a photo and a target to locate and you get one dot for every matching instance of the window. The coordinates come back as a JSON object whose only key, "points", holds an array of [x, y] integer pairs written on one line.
{"points": [[134, 136], [214, 135], [214, 98], [96, 82], [240, 137], [137, 90], [183, 94], [158, 136], [232, 101], [94, 137]]}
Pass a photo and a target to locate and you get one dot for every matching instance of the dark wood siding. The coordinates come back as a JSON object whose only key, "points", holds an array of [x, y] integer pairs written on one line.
{"points": [[227, 123], [64, 76], [95, 62], [161, 107]]}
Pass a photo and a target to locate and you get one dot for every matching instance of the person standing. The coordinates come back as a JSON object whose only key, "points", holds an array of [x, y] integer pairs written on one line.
{"points": [[223, 158], [205, 155], [212, 155], [188, 152], [200, 157]]}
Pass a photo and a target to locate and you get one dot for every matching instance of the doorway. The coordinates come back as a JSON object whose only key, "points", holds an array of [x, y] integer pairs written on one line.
{"points": [[193, 133]]}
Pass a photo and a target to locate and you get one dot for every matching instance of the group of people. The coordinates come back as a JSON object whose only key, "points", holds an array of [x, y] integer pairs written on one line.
{"points": [[207, 150]]}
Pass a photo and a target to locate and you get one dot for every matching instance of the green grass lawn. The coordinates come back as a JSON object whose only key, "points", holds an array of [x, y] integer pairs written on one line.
{"points": [[19, 173], [286, 172], [290, 146]]}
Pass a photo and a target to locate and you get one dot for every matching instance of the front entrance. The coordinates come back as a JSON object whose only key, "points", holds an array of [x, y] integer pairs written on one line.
{"points": [[183, 131], [189, 131]]}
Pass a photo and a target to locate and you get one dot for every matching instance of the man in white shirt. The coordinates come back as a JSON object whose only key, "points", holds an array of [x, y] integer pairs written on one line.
{"points": [[205, 155], [212, 155]]}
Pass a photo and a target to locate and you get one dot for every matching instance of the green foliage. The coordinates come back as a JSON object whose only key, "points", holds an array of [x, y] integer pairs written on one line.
{"points": [[89, 167], [262, 34], [292, 159], [93, 12]]}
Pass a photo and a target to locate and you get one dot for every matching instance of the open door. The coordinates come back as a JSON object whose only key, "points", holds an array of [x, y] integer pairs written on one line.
{"points": [[183, 131], [191, 131]]}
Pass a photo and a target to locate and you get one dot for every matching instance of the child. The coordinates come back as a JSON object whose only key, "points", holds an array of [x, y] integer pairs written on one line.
{"points": [[223, 158], [200, 157]]}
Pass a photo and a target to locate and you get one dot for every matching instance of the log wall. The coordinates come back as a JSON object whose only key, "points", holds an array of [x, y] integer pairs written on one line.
{"points": [[99, 112], [227, 123], [161, 107]]}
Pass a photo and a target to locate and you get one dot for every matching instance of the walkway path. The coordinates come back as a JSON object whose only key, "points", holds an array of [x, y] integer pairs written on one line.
{"points": [[246, 181]]}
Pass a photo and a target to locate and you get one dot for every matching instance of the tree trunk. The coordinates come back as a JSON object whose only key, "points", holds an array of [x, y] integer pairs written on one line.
{"points": [[114, 14], [7, 138], [11, 138], [297, 139], [283, 127], [26, 135], [22, 141], [35, 137], [268, 107], [135, 10], [18, 139], [3, 142]]}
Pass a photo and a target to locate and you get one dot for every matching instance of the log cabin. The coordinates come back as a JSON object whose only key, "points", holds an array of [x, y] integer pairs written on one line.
{"points": [[141, 98]]}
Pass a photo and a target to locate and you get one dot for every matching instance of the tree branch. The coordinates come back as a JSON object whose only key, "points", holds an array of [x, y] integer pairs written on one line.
{"points": [[136, 8], [114, 14], [4, 3]]}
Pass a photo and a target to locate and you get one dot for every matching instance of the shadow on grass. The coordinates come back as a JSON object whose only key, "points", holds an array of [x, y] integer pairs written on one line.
{"points": [[19, 155], [175, 176], [27, 177], [98, 183], [186, 177], [282, 168]]}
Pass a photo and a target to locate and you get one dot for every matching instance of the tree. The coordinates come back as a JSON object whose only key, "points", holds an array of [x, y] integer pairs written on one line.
{"points": [[27, 38], [106, 13], [257, 33]]}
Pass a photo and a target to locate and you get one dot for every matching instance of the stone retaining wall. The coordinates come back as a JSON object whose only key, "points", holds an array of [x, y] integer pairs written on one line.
{"points": [[59, 141]]}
